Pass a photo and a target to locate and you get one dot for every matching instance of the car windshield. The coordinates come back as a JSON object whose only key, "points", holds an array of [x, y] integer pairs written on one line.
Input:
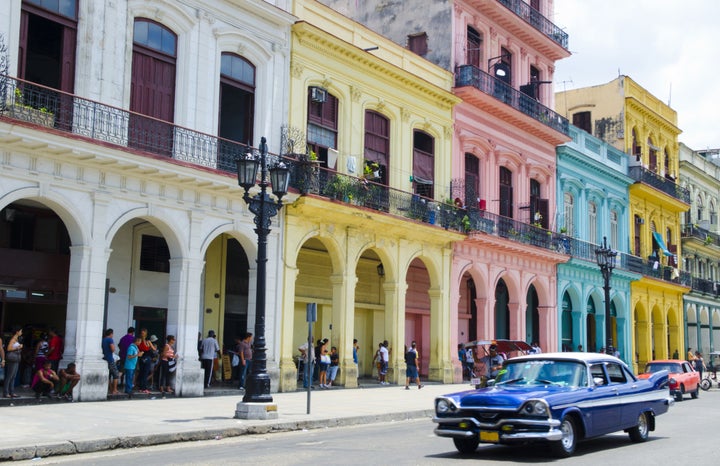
{"points": [[543, 372], [662, 366]]}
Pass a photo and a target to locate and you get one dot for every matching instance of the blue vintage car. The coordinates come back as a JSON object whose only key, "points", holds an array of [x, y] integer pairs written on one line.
{"points": [[558, 398]]}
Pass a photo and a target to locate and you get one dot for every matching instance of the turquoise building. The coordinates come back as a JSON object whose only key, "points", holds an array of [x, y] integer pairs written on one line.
{"points": [[592, 192]]}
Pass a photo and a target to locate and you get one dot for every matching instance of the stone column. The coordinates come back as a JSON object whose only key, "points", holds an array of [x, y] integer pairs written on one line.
{"points": [[288, 348], [395, 330], [343, 323]]}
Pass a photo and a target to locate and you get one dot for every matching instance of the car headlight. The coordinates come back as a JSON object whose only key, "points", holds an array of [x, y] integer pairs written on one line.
{"points": [[535, 408], [444, 406]]}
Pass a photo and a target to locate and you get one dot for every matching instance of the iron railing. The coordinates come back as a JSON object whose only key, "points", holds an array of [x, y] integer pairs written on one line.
{"points": [[537, 20], [706, 236], [471, 75], [43, 106], [643, 175]]}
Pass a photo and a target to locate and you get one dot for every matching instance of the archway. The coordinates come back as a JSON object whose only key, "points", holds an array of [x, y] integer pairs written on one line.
{"points": [[502, 310], [532, 317]]}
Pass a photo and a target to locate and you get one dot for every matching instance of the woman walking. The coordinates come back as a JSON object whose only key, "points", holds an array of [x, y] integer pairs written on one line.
{"points": [[166, 358], [12, 358]]}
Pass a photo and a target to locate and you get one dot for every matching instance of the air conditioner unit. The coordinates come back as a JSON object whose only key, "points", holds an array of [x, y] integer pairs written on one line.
{"points": [[318, 94]]}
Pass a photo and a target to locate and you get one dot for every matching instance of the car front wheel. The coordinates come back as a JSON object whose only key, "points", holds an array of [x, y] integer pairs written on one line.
{"points": [[640, 432], [696, 393], [466, 445], [565, 447]]}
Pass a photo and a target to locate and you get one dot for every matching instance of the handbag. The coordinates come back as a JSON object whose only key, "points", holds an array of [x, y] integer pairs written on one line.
{"points": [[235, 360], [325, 359], [172, 365]]}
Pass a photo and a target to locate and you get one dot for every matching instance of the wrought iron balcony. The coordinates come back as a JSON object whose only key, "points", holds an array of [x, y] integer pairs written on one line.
{"points": [[470, 75], [35, 104], [701, 234], [537, 20], [701, 285], [669, 187]]}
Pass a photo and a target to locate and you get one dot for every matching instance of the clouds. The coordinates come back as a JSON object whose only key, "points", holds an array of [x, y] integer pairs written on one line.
{"points": [[669, 47]]}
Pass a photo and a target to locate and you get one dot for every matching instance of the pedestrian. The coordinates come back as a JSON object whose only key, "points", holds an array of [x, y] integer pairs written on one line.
{"points": [[44, 380], [125, 342], [13, 355], [334, 366], [209, 350], [108, 348], [69, 378], [355, 350], [145, 365], [323, 364], [41, 349], [378, 361], [55, 349], [2, 355], [167, 355], [676, 354], [690, 356], [385, 361], [535, 348], [305, 363], [412, 362], [699, 363], [470, 361], [580, 348], [245, 353], [493, 363], [132, 356]]}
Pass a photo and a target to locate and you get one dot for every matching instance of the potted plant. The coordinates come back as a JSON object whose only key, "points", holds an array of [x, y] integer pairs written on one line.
{"points": [[563, 230], [18, 109], [371, 171]]}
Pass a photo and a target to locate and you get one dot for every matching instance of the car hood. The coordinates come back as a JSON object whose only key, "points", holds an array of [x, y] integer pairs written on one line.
{"points": [[509, 397]]}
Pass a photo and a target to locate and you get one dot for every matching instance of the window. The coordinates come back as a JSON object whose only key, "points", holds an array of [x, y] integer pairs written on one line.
{"points": [[583, 121], [636, 149], [652, 159], [423, 163], [472, 181], [322, 125], [699, 207], [539, 208], [506, 192], [377, 143], [569, 212], [616, 373], [154, 254], [598, 374], [237, 99], [418, 43], [614, 232], [474, 47], [592, 223]]}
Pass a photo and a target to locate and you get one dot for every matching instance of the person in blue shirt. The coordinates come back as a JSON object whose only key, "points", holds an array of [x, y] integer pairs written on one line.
{"points": [[131, 360], [108, 348]]}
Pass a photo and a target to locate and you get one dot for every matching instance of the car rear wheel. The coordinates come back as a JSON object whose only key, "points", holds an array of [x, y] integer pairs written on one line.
{"points": [[565, 447], [640, 432], [466, 445]]}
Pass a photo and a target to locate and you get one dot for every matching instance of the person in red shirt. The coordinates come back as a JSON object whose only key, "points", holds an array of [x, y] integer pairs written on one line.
{"points": [[55, 349], [44, 380]]}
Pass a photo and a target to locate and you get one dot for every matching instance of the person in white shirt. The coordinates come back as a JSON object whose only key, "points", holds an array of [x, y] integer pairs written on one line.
{"points": [[385, 354], [209, 349]]}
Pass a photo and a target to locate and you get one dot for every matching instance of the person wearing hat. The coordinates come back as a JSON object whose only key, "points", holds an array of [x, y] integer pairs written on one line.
{"points": [[493, 363], [209, 350]]}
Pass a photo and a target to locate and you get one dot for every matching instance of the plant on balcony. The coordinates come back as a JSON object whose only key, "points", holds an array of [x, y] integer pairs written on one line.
{"points": [[563, 230], [708, 240], [371, 171], [341, 187], [19, 109]]}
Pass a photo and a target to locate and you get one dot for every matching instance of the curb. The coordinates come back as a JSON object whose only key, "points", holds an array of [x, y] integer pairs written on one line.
{"points": [[70, 447]]}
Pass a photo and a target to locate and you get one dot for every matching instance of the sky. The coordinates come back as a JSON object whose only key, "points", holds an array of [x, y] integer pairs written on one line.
{"points": [[669, 47]]}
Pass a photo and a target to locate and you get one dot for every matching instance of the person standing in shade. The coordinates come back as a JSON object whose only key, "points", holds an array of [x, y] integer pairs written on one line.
{"points": [[55, 349], [356, 348], [334, 367], [385, 361], [209, 350], [245, 353], [147, 347], [166, 356], [108, 349], [132, 356], [12, 362], [125, 342], [411, 372]]}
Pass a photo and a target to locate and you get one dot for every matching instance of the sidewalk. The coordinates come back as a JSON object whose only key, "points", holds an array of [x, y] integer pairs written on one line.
{"points": [[49, 428]]}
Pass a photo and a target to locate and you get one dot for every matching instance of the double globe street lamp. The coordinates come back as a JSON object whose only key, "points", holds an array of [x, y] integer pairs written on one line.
{"points": [[257, 386], [606, 261]]}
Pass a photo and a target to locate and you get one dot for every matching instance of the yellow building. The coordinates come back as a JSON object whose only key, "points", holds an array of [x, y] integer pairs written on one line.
{"points": [[627, 116], [370, 241]]}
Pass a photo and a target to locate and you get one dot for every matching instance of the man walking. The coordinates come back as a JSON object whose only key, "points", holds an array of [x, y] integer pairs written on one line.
{"points": [[412, 372], [209, 349], [384, 362]]}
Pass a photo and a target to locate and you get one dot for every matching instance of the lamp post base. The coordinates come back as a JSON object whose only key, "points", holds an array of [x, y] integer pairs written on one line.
{"points": [[259, 411]]}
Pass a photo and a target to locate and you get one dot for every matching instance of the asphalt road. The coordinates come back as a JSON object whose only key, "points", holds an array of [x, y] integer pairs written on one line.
{"points": [[686, 435]]}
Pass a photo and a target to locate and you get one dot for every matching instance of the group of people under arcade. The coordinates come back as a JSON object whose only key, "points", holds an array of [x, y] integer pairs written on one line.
{"points": [[30, 358]]}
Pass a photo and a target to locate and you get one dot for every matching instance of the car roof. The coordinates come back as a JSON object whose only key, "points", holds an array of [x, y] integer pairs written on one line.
{"points": [[570, 356]]}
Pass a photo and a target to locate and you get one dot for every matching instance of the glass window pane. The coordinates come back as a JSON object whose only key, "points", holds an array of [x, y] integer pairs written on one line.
{"points": [[168, 42], [141, 32], [154, 36]]}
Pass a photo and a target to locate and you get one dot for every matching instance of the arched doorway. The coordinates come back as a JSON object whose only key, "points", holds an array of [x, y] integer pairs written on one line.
{"points": [[566, 323], [467, 310], [591, 327], [502, 310], [532, 317]]}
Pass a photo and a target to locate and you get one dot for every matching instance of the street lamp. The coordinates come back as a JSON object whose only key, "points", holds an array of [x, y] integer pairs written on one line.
{"points": [[606, 261], [257, 386]]}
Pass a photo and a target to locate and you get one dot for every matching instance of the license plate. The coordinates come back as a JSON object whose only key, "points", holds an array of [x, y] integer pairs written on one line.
{"points": [[475, 381], [489, 436]]}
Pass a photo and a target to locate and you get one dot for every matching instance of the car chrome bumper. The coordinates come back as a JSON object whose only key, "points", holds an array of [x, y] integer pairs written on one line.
{"points": [[553, 433]]}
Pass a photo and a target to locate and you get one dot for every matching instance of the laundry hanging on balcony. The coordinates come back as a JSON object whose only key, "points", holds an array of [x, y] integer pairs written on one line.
{"points": [[661, 243]]}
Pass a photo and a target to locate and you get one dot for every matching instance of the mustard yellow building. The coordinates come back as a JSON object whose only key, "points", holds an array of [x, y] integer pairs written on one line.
{"points": [[627, 116], [370, 239]]}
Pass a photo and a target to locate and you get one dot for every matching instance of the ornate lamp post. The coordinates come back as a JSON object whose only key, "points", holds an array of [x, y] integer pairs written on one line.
{"points": [[265, 208], [606, 261]]}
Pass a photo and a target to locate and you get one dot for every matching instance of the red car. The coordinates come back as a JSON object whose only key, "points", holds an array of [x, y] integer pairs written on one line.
{"points": [[683, 378]]}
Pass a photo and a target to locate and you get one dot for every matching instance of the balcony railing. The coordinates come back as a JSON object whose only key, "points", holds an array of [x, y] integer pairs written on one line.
{"points": [[537, 20], [701, 234], [704, 286], [470, 75], [32, 103], [643, 175], [586, 251]]}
